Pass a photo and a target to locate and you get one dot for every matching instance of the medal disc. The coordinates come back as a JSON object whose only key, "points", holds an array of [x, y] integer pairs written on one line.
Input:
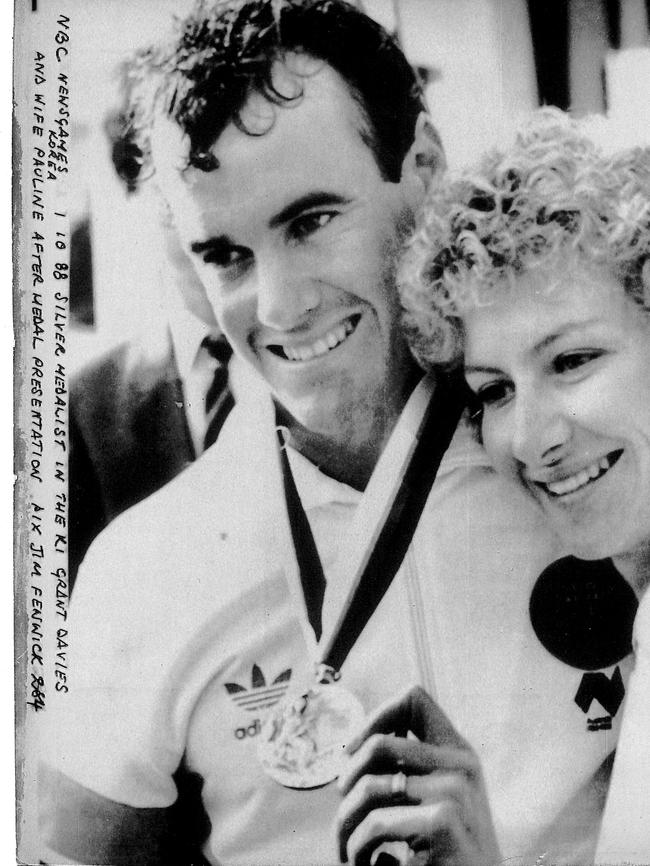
{"points": [[303, 739]]}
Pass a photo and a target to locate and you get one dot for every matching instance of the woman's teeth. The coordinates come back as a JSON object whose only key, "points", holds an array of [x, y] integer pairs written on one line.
{"points": [[321, 346], [580, 479]]}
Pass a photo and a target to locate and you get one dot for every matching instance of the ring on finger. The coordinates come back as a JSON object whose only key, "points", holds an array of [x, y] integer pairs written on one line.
{"points": [[398, 785]]}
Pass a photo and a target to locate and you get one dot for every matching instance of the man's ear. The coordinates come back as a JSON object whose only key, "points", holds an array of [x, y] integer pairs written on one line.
{"points": [[425, 159]]}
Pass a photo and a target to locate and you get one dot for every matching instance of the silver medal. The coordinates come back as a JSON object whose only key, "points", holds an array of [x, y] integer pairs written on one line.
{"points": [[303, 739]]}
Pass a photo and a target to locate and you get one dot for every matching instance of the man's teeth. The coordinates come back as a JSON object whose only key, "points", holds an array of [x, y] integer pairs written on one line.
{"points": [[575, 482], [322, 346]]}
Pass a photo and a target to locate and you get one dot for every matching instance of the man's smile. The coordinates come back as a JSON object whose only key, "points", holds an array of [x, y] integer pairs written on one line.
{"points": [[562, 486], [295, 351]]}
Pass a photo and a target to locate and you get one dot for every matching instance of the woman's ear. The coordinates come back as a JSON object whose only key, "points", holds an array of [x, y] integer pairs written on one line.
{"points": [[425, 159]]}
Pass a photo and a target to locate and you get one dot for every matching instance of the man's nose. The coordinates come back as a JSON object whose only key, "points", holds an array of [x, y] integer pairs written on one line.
{"points": [[541, 428], [286, 295]]}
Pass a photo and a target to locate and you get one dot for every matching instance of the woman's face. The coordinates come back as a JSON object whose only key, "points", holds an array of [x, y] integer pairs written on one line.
{"points": [[564, 381]]}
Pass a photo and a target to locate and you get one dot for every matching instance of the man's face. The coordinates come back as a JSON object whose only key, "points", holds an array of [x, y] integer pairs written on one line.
{"points": [[295, 236]]}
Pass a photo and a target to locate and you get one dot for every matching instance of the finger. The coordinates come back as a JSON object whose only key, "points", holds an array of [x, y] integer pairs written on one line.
{"points": [[439, 787], [468, 794], [437, 829], [412, 711], [374, 792], [370, 792], [384, 754], [472, 807]]}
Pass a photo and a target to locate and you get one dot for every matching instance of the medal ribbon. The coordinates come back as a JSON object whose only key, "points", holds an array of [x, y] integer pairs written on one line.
{"points": [[398, 520], [312, 577]]}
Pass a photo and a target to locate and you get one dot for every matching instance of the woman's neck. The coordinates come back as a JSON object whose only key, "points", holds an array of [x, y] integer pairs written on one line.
{"points": [[635, 567]]}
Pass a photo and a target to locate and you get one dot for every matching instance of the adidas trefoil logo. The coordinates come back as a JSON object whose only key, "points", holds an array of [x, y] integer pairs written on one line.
{"points": [[259, 696]]}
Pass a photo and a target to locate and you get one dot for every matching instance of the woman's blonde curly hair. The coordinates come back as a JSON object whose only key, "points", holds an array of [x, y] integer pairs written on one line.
{"points": [[552, 194]]}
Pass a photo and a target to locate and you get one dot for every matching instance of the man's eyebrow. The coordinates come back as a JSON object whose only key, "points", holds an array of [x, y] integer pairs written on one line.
{"points": [[305, 202], [211, 244]]}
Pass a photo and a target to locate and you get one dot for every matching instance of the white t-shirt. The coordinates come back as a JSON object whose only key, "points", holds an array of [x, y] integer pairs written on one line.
{"points": [[187, 625]]}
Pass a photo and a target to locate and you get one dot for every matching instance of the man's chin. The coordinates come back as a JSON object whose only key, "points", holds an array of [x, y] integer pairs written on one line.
{"points": [[318, 418], [310, 423]]}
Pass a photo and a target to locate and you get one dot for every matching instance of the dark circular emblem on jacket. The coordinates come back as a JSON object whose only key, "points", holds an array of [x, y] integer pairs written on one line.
{"points": [[583, 613]]}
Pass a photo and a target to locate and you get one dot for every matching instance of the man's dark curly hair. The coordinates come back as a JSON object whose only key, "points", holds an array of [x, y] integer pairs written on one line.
{"points": [[225, 50]]}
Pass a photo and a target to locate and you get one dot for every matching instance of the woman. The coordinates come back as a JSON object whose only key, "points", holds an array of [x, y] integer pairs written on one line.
{"points": [[533, 271]]}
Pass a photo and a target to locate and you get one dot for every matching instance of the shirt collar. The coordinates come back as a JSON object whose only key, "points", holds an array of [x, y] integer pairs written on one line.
{"points": [[317, 489], [188, 333]]}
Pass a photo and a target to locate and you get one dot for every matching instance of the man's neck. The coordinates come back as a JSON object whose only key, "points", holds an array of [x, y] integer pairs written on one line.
{"points": [[352, 466], [351, 459]]}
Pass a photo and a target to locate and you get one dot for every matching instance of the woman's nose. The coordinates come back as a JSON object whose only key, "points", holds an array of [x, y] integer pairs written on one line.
{"points": [[541, 428]]}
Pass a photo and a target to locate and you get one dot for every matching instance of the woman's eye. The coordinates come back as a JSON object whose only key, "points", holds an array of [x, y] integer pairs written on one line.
{"points": [[570, 361], [494, 393], [309, 223]]}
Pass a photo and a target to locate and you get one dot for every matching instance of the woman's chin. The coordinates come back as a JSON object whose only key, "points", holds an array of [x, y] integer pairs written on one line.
{"points": [[583, 542], [630, 556]]}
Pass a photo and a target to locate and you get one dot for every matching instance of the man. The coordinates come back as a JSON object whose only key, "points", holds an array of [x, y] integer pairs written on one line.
{"points": [[142, 412], [292, 145]]}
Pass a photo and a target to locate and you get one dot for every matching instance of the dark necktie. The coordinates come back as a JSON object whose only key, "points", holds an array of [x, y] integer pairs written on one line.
{"points": [[218, 399]]}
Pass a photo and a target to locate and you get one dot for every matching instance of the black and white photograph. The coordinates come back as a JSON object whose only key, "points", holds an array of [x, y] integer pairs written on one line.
{"points": [[332, 432]]}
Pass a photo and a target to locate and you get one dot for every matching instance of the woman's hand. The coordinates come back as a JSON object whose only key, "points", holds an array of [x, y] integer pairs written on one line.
{"points": [[428, 791]]}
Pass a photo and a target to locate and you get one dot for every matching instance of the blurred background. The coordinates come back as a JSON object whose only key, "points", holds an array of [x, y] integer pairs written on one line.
{"points": [[485, 63]]}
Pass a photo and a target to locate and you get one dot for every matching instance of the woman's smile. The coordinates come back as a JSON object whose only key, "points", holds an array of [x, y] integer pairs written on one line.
{"points": [[563, 484]]}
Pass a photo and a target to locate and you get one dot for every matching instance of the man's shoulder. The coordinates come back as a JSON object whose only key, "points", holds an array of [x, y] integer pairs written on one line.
{"points": [[196, 522], [173, 516]]}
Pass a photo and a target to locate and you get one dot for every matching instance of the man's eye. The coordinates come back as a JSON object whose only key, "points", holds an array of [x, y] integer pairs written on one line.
{"points": [[494, 393], [568, 362], [226, 257], [309, 223]]}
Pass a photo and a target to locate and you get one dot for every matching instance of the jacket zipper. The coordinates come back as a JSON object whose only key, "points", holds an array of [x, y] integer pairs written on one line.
{"points": [[422, 641]]}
